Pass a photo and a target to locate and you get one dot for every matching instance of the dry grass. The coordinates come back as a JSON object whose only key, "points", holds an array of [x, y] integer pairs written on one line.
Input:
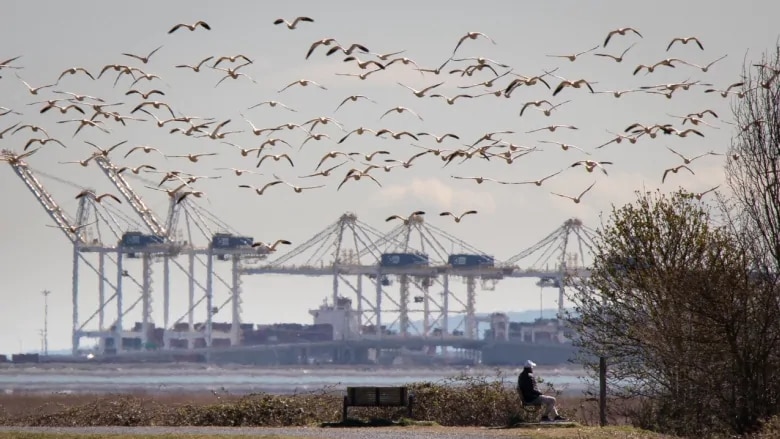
{"points": [[546, 433], [461, 401], [14, 435]]}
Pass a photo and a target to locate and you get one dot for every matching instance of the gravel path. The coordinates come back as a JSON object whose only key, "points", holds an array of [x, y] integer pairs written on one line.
{"points": [[324, 433]]}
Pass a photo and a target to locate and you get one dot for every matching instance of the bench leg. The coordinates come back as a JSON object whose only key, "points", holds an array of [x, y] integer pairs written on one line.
{"points": [[344, 409]]}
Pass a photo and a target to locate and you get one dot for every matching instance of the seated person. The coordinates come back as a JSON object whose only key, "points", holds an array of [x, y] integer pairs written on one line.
{"points": [[529, 392]]}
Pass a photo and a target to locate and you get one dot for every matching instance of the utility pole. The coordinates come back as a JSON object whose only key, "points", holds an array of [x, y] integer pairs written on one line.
{"points": [[46, 322]]}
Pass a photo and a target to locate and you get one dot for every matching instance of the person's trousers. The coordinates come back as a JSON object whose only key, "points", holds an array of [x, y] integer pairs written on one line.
{"points": [[548, 402]]}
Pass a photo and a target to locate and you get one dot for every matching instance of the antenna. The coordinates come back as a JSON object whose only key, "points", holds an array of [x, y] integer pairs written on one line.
{"points": [[45, 321]]}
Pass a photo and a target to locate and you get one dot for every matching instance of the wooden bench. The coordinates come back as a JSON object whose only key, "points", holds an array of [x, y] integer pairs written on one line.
{"points": [[377, 397], [530, 409]]}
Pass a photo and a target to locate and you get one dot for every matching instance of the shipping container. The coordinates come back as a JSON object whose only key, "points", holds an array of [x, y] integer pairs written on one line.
{"points": [[25, 358], [138, 239], [226, 240], [470, 260], [403, 259]]}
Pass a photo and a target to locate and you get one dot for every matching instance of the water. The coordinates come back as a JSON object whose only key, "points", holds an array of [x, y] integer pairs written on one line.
{"points": [[178, 378]]}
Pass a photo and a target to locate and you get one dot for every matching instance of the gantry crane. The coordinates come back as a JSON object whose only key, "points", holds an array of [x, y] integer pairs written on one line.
{"points": [[437, 248], [168, 251], [75, 231], [566, 248], [347, 247]]}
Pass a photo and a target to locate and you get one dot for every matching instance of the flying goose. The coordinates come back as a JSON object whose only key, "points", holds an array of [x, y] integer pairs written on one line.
{"points": [[143, 59], [684, 40], [191, 27], [472, 36], [98, 198], [405, 219], [294, 22], [574, 56], [620, 31], [578, 198], [353, 98], [457, 218], [616, 58]]}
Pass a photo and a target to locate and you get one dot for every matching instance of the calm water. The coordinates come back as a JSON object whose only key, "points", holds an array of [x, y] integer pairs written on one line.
{"points": [[107, 379]]}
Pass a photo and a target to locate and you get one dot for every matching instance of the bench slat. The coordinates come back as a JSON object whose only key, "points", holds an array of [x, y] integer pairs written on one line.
{"points": [[372, 396], [377, 397]]}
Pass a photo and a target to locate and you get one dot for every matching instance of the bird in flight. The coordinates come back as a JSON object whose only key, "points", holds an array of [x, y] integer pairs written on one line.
{"points": [[405, 219], [621, 31], [145, 149], [191, 27], [687, 160], [143, 59], [34, 90], [238, 172], [400, 109], [706, 67], [294, 22], [271, 247], [194, 158], [573, 84], [701, 195], [616, 58], [136, 170], [357, 175], [276, 158], [457, 218], [684, 40], [272, 104], [578, 198], [196, 67], [302, 83], [564, 146], [574, 56], [541, 180], [298, 189], [472, 36], [353, 98], [325, 173], [674, 170], [259, 191], [421, 93], [98, 198], [590, 165]]}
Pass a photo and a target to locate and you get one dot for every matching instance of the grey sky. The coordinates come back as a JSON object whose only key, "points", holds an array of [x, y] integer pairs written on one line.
{"points": [[53, 36]]}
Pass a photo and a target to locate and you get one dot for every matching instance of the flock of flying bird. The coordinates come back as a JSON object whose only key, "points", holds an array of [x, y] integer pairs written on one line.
{"points": [[96, 113]]}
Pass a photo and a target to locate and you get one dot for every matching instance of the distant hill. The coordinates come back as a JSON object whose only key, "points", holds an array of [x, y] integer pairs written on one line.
{"points": [[514, 316]]}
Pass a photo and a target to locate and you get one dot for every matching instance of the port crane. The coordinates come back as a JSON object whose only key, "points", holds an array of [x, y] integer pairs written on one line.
{"points": [[437, 248], [168, 249], [572, 242], [76, 230], [350, 247]]}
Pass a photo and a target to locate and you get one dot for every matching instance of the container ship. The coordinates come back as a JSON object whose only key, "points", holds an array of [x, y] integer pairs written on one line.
{"points": [[336, 325]]}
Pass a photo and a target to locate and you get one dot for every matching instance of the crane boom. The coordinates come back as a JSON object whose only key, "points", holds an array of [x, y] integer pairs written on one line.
{"points": [[131, 196], [67, 225]]}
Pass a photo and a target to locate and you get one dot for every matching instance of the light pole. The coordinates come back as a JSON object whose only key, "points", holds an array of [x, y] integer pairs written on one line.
{"points": [[46, 321]]}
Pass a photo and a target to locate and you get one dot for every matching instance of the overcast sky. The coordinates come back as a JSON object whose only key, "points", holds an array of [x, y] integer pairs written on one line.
{"points": [[54, 36]]}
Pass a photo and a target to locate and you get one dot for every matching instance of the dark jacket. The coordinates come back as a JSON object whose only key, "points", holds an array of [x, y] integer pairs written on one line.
{"points": [[526, 384]]}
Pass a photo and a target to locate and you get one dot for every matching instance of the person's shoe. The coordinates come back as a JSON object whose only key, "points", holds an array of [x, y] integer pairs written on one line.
{"points": [[560, 418], [545, 419]]}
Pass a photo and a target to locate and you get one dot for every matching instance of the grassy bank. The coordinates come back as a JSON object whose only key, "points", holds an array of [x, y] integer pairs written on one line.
{"points": [[552, 433], [461, 401]]}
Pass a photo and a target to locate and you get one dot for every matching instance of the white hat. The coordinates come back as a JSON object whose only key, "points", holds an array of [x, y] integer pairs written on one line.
{"points": [[530, 363]]}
